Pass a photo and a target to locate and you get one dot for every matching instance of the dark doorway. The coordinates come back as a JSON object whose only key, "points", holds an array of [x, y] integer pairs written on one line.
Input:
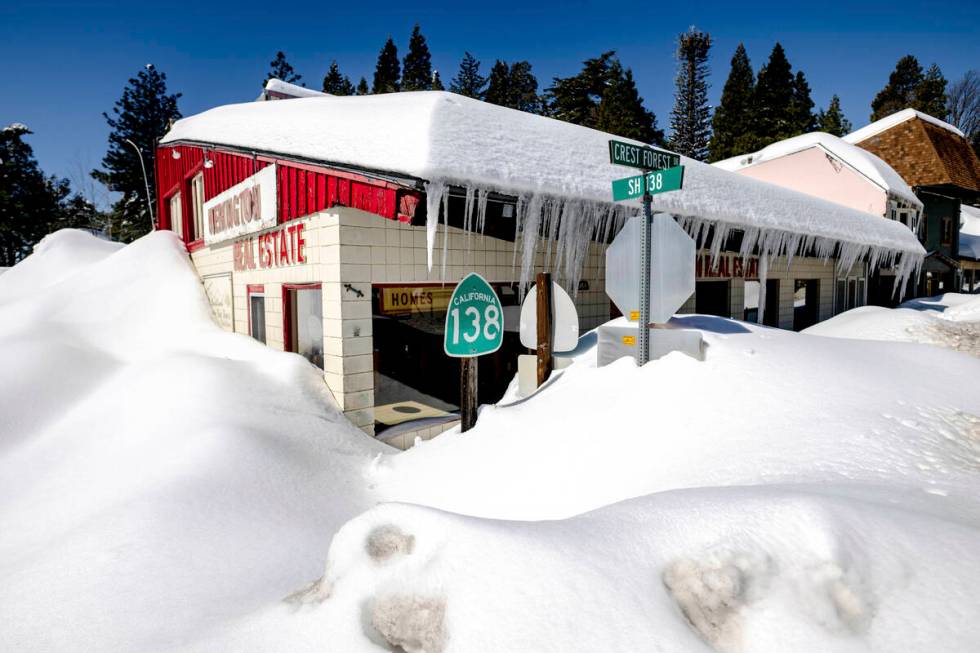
{"points": [[806, 303], [712, 298]]}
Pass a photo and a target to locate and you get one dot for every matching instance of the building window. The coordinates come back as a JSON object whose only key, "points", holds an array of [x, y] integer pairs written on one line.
{"points": [[806, 303], [851, 293], [197, 207], [750, 312], [947, 231], [860, 292], [176, 215], [256, 312], [303, 316], [840, 297]]}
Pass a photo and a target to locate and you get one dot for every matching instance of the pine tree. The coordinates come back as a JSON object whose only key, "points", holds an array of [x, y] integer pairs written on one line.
{"points": [[832, 121], [576, 99], [524, 88], [802, 120], [498, 84], [336, 84], [280, 69], [773, 99], [900, 92], [468, 80], [621, 111], [362, 87], [930, 95], [733, 117], [437, 82], [690, 119], [388, 71], [417, 66], [32, 205], [513, 86], [142, 115]]}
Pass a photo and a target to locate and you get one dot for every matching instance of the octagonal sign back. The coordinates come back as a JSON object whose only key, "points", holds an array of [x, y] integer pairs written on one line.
{"points": [[672, 254]]}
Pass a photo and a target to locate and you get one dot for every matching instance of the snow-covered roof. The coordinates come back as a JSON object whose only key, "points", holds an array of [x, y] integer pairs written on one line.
{"points": [[970, 232], [444, 138], [294, 90], [867, 164], [895, 119]]}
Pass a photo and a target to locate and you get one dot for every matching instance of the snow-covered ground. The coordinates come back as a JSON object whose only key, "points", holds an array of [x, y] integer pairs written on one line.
{"points": [[167, 486], [951, 320]]}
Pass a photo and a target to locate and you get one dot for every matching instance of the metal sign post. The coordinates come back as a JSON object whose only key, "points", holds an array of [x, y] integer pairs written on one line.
{"points": [[662, 172], [643, 342]]}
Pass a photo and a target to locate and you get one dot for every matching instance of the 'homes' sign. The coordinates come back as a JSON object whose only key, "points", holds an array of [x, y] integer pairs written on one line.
{"points": [[244, 208]]}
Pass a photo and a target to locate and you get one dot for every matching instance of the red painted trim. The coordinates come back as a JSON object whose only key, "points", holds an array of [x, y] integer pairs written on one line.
{"points": [[195, 245], [287, 313], [343, 174]]}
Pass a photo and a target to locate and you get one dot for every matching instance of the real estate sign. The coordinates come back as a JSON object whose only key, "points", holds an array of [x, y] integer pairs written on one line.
{"points": [[245, 208]]}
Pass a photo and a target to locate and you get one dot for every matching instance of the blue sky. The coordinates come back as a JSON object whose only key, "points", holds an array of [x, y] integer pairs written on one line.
{"points": [[65, 63]]}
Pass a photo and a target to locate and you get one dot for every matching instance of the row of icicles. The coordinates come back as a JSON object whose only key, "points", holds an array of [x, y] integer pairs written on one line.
{"points": [[565, 228]]}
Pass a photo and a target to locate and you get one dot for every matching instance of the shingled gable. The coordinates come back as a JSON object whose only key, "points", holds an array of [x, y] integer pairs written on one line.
{"points": [[923, 150]]}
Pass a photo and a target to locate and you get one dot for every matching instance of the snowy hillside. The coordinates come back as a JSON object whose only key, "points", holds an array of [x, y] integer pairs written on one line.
{"points": [[167, 486]]}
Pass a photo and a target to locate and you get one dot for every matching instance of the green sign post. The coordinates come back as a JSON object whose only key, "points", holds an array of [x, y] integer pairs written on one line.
{"points": [[662, 172], [474, 326], [650, 183]]}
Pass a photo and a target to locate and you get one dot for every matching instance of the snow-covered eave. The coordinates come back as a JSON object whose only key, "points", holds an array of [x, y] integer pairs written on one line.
{"points": [[894, 119]]}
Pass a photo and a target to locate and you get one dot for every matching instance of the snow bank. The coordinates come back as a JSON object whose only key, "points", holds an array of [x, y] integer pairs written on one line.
{"points": [[791, 493], [861, 160], [560, 172], [951, 321], [158, 476]]}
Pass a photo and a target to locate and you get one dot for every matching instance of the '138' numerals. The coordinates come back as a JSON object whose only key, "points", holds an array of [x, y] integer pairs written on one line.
{"points": [[488, 324]]}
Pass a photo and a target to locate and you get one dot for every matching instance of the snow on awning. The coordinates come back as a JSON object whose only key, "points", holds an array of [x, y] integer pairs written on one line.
{"points": [[559, 171]]}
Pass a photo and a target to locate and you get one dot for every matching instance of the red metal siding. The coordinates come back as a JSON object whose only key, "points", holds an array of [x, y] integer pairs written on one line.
{"points": [[303, 189]]}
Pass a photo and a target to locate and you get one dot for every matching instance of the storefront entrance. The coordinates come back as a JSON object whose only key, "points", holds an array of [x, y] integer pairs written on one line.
{"points": [[302, 308], [713, 298], [806, 303]]}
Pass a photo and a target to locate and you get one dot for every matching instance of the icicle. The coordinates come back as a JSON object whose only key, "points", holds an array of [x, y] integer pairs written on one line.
{"points": [[434, 191], [481, 210], [445, 232], [529, 241], [468, 222], [763, 273]]}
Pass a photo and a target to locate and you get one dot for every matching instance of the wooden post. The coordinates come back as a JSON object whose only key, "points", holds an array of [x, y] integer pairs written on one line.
{"points": [[545, 328], [467, 386]]}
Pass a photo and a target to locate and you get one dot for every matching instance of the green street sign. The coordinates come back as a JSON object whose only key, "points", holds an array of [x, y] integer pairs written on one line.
{"points": [[474, 320], [660, 181], [638, 156]]}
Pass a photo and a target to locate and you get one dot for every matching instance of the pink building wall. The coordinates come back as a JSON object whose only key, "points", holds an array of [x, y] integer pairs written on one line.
{"points": [[811, 171]]}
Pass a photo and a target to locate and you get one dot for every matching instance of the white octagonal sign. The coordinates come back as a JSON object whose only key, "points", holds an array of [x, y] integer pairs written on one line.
{"points": [[672, 254]]}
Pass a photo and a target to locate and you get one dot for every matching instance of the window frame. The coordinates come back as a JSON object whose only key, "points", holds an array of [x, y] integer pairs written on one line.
{"points": [[287, 311], [255, 290], [176, 225], [195, 187]]}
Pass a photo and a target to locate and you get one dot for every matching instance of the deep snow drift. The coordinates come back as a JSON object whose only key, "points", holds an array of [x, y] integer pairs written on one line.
{"points": [[951, 320], [157, 475], [168, 486]]}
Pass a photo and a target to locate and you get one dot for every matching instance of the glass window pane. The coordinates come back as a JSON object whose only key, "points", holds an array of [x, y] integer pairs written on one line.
{"points": [[307, 324], [257, 317]]}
